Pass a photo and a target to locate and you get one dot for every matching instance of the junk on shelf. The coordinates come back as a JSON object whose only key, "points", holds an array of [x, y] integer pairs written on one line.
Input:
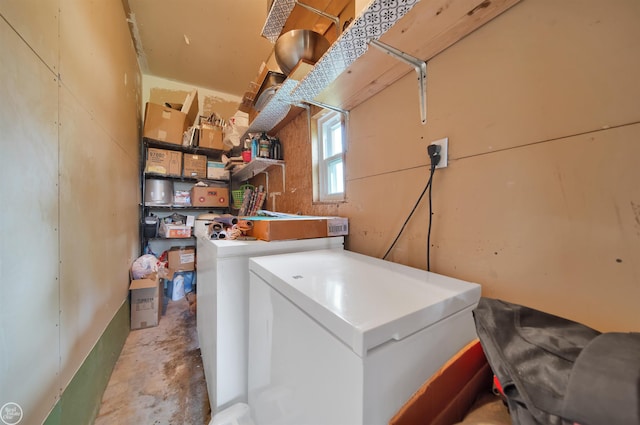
{"points": [[176, 226], [215, 132], [234, 163], [237, 125], [252, 200], [224, 226], [264, 146]]}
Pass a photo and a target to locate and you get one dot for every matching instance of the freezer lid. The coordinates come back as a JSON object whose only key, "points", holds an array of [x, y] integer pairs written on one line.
{"points": [[364, 301], [223, 248]]}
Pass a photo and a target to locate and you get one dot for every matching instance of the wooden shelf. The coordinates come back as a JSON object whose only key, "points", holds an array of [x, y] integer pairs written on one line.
{"points": [[180, 207], [256, 166], [213, 153], [350, 72], [427, 29]]}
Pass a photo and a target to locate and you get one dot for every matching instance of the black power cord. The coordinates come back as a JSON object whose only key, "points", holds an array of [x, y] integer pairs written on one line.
{"points": [[434, 155]]}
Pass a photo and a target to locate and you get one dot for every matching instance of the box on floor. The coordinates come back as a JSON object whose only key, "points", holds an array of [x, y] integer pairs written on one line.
{"points": [[146, 301]]}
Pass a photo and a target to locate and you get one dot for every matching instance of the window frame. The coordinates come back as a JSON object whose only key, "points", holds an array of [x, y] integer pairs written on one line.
{"points": [[320, 124]]}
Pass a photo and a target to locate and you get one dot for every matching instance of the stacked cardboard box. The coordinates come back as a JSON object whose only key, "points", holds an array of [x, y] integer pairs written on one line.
{"points": [[166, 124]]}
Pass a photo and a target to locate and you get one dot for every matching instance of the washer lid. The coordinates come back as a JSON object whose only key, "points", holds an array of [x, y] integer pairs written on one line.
{"points": [[364, 301]]}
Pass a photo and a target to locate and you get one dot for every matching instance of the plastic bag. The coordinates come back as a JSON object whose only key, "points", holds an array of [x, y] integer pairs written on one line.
{"points": [[178, 288], [144, 265]]}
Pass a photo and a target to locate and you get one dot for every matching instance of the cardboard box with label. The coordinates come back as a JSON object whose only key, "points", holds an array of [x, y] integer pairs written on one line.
{"points": [[211, 137], [182, 258], [297, 227], [178, 231], [146, 302], [216, 171], [168, 125], [209, 196], [163, 161], [194, 166]]}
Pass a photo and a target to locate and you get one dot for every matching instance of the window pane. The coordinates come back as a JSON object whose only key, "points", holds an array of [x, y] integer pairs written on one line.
{"points": [[335, 177], [332, 137], [336, 139]]}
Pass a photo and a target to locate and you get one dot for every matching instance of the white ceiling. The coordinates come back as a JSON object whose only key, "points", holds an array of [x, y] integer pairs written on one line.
{"points": [[214, 44]]}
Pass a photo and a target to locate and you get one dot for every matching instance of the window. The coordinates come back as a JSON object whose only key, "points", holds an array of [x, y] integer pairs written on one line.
{"points": [[328, 156]]}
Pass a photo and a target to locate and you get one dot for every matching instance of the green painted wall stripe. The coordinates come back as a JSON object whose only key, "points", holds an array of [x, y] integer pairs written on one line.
{"points": [[80, 401]]}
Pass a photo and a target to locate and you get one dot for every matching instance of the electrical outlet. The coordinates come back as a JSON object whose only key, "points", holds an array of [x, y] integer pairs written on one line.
{"points": [[444, 145]]}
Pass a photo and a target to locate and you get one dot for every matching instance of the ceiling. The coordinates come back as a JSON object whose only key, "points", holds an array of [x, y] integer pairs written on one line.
{"points": [[214, 44]]}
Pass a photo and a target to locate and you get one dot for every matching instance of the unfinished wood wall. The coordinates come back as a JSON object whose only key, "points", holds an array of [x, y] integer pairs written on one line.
{"points": [[540, 203], [70, 115]]}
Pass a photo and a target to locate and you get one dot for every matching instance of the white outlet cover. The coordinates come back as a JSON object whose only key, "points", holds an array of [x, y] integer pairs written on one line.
{"points": [[444, 151]]}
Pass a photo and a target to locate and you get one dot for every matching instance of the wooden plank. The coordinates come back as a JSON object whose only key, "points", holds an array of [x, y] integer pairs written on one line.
{"points": [[300, 70], [428, 29], [294, 112], [303, 18]]}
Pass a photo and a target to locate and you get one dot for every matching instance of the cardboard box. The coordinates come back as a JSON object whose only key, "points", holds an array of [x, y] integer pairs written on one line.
{"points": [[164, 124], [175, 231], [297, 227], [216, 171], [146, 302], [209, 196], [163, 161], [211, 138], [453, 391], [182, 198], [194, 166], [182, 258], [190, 107]]}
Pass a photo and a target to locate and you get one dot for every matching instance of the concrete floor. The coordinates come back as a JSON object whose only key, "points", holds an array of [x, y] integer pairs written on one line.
{"points": [[158, 378]]}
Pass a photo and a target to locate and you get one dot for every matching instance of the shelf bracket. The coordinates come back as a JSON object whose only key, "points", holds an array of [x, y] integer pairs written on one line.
{"points": [[419, 65], [332, 18], [325, 106]]}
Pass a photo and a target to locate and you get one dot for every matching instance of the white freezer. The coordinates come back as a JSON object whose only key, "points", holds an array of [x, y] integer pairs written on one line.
{"points": [[222, 313], [339, 338]]}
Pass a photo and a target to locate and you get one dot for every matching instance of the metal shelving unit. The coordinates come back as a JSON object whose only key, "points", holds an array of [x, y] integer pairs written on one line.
{"points": [[165, 210]]}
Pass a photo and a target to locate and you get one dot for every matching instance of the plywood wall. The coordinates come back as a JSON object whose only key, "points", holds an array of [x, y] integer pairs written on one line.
{"points": [[69, 163], [160, 90], [540, 202]]}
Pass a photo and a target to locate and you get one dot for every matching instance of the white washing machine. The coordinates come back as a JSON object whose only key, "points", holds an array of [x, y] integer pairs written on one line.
{"points": [[339, 338], [223, 309]]}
